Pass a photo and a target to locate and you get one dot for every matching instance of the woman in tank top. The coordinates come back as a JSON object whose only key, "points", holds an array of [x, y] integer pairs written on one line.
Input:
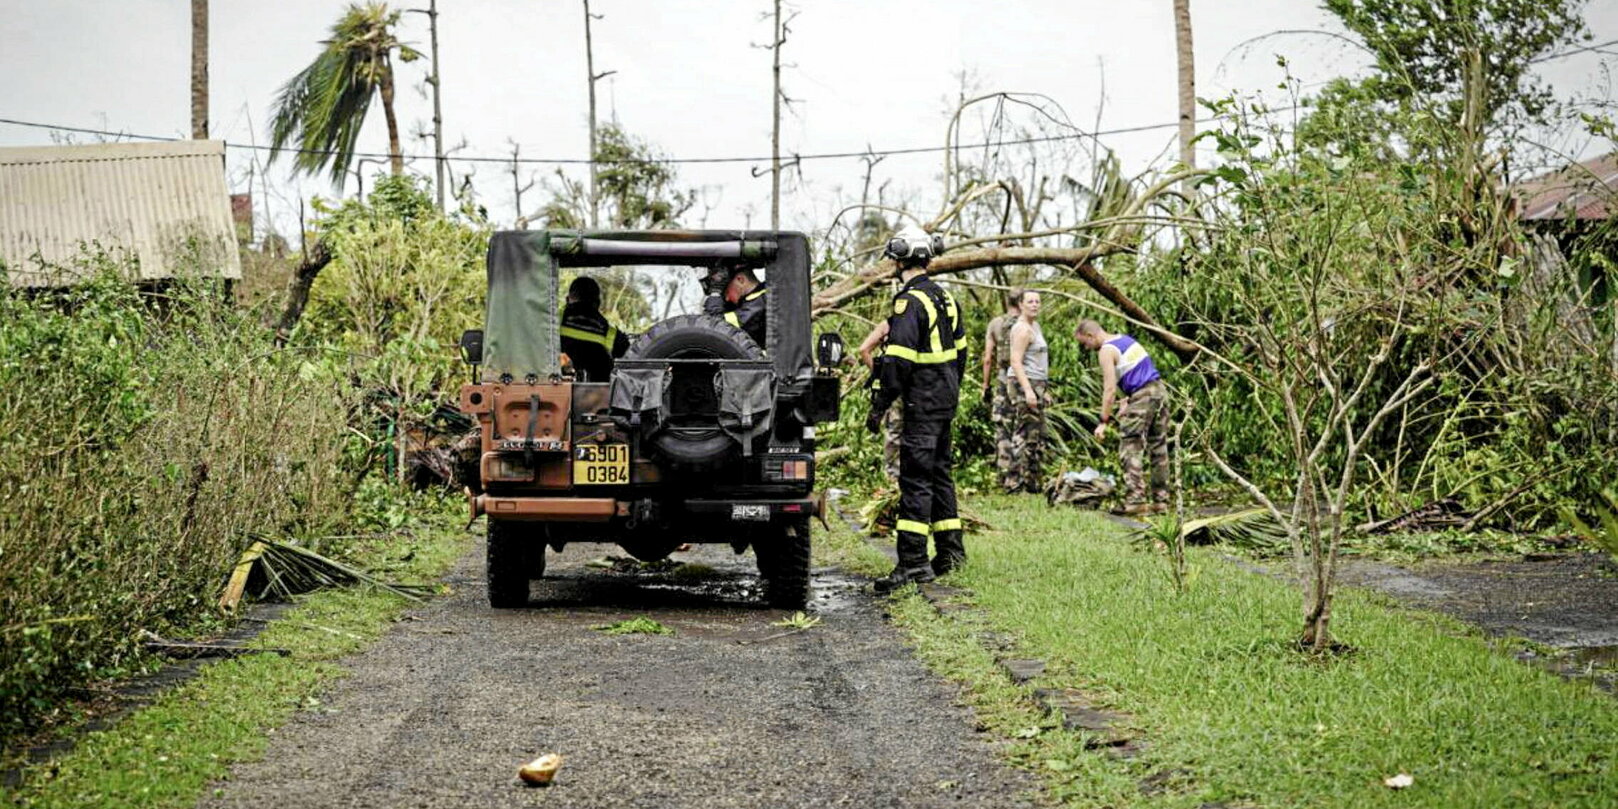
{"points": [[1026, 381]]}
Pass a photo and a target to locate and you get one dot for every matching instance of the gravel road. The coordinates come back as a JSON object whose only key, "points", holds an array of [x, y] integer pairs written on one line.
{"points": [[730, 711]]}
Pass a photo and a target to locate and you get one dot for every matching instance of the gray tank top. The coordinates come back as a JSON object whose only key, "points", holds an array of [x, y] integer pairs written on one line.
{"points": [[1036, 359]]}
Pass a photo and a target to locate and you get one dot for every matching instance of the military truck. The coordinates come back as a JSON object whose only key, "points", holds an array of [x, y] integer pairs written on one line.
{"points": [[698, 436]]}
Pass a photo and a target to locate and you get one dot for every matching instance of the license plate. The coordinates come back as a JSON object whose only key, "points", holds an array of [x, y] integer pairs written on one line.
{"points": [[600, 464], [750, 513]]}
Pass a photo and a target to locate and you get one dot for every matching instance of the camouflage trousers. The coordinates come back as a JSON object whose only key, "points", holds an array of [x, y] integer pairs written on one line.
{"points": [[1144, 425], [1001, 416], [1026, 444], [893, 423]]}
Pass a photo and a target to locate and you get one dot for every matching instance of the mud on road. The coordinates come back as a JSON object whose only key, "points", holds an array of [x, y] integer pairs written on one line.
{"points": [[730, 711]]}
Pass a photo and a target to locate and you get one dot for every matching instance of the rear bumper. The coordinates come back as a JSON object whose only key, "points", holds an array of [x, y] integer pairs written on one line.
{"points": [[547, 509], [606, 509]]}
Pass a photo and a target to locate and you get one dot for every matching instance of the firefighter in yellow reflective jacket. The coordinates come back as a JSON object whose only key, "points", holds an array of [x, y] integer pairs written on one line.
{"points": [[737, 296], [587, 338], [921, 367]]}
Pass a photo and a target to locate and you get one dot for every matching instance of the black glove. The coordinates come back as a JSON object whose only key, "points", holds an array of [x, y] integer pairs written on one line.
{"points": [[873, 422], [715, 281]]}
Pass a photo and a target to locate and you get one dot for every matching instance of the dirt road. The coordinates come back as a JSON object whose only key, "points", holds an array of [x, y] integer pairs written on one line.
{"points": [[730, 711]]}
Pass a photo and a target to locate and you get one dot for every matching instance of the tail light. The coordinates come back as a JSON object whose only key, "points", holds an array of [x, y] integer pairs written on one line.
{"points": [[508, 467], [787, 468]]}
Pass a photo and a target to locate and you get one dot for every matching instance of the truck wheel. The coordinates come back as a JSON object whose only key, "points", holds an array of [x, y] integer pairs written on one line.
{"points": [[783, 563], [513, 558], [692, 439], [694, 337]]}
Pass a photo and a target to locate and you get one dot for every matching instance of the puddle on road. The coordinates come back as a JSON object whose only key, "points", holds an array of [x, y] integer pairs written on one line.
{"points": [[707, 597], [831, 591], [1597, 656], [1597, 665]]}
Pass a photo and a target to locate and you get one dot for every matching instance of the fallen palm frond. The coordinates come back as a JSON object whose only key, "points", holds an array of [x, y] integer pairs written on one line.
{"points": [[878, 513], [1254, 529], [271, 569]]}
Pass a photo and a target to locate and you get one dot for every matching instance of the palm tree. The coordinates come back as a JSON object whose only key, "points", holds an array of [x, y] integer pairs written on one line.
{"points": [[199, 69], [1188, 83], [321, 110]]}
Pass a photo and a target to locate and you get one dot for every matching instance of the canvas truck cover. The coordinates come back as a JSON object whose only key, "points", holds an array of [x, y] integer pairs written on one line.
{"points": [[521, 328], [520, 337]]}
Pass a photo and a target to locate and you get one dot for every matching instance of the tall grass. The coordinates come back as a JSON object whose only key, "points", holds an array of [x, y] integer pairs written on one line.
{"points": [[146, 437]]}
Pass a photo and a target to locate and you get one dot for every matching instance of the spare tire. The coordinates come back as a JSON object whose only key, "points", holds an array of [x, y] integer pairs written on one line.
{"points": [[690, 437]]}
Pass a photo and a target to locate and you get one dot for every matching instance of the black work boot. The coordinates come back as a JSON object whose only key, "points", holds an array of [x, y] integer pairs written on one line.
{"points": [[902, 576], [944, 564]]}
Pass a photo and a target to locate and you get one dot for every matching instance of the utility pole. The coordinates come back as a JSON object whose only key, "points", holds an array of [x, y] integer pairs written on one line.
{"points": [[592, 76], [775, 123], [438, 110], [199, 69]]}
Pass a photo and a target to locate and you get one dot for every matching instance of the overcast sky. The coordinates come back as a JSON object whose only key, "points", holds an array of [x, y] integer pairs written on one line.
{"points": [[689, 78]]}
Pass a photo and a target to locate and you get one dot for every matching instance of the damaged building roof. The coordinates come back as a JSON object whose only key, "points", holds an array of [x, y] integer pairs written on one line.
{"points": [[165, 204], [1584, 191]]}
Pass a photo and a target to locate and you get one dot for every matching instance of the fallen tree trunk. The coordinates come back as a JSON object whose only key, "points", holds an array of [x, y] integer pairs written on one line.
{"points": [[1080, 260]]}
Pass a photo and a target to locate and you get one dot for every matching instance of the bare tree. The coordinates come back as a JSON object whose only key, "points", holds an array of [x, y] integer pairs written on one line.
{"points": [[1118, 233], [518, 188], [994, 216], [199, 69]]}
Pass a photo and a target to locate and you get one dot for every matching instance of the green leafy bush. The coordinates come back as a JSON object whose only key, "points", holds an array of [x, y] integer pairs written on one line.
{"points": [[147, 437]]}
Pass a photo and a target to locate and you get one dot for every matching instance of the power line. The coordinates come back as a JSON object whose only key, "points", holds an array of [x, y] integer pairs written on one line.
{"points": [[672, 160], [1596, 48]]}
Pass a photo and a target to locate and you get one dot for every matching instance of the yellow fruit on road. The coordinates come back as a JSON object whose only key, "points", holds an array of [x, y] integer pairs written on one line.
{"points": [[541, 770]]}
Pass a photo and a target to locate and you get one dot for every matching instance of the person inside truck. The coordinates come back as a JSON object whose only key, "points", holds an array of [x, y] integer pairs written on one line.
{"points": [[735, 294], [587, 338]]}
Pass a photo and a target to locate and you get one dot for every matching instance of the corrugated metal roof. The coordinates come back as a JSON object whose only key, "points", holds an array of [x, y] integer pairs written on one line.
{"points": [[165, 203], [1584, 190]]}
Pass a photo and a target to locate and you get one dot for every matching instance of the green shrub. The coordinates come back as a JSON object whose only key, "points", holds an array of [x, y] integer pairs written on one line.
{"points": [[147, 437]]}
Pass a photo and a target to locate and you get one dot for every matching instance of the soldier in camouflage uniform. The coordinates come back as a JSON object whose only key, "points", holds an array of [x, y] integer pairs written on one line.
{"points": [[893, 422], [1143, 419], [1027, 378], [996, 360]]}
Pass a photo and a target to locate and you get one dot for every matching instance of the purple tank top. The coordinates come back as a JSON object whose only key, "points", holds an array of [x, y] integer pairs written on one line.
{"points": [[1135, 368]]}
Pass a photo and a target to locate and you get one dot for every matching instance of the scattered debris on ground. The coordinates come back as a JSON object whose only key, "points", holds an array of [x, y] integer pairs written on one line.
{"points": [[882, 510], [182, 649], [540, 771], [1435, 516], [798, 620], [634, 626], [1084, 489], [280, 570], [625, 564]]}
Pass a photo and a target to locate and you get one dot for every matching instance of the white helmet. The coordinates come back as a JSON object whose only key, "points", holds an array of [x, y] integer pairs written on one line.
{"points": [[913, 244]]}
